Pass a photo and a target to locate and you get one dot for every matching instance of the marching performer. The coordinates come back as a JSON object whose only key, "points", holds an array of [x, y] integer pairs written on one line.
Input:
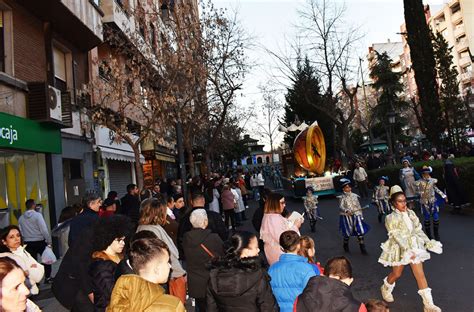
{"points": [[351, 220], [311, 207], [407, 244], [426, 189], [380, 198]]}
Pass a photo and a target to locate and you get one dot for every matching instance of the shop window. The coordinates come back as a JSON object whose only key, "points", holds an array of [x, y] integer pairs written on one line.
{"points": [[22, 176], [75, 169]]}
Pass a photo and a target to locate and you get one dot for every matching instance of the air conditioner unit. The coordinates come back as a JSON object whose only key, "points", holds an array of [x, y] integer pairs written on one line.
{"points": [[54, 103]]}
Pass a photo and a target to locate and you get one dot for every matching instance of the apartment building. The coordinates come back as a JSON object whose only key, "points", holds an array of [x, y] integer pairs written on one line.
{"points": [[455, 21], [45, 61]]}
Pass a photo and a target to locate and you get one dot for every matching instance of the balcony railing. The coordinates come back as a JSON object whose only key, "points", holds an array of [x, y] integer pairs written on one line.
{"points": [[465, 76], [88, 12], [459, 30], [463, 61], [462, 45], [456, 17]]}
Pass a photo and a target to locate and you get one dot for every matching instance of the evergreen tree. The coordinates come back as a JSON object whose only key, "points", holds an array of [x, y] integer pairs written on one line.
{"points": [[421, 52], [387, 83], [300, 100], [454, 112]]}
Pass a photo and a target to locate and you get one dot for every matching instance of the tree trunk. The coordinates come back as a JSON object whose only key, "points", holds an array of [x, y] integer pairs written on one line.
{"points": [[189, 156], [208, 160], [138, 166]]}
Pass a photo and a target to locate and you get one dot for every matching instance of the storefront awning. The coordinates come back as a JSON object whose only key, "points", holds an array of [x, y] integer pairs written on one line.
{"points": [[116, 154]]}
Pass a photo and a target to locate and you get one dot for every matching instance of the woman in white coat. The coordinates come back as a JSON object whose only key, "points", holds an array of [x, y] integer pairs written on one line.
{"points": [[214, 204], [12, 248]]}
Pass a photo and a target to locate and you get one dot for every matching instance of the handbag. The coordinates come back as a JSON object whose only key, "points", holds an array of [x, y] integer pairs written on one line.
{"points": [[48, 256], [177, 288]]}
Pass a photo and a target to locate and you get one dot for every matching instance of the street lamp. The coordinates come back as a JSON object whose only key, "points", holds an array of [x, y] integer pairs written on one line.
{"points": [[391, 116]]}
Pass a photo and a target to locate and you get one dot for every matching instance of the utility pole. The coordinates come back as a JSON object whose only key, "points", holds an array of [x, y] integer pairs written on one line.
{"points": [[182, 164], [366, 108]]}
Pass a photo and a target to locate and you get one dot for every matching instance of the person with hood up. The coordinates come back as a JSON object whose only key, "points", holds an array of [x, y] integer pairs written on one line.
{"points": [[35, 234], [237, 280], [200, 246], [330, 293], [149, 258]]}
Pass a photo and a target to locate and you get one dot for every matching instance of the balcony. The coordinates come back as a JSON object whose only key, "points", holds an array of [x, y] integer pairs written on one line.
{"points": [[115, 13], [465, 77], [441, 25], [78, 21], [463, 61], [462, 45], [453, 2], [459, 31], [456, 17]]}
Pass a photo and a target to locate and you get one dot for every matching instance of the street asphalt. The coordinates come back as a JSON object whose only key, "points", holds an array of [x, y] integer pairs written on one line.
{"points": [[450, 275]]}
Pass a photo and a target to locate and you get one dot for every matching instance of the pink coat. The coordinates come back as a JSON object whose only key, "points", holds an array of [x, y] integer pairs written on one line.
{"points": [[273, 224]]}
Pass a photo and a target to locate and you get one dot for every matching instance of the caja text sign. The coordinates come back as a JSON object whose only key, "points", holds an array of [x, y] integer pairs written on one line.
{"points": [[29, 135]]}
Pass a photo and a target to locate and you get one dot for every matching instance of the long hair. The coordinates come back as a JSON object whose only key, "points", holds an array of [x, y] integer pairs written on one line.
{"points": [[153, 211], [232, 257], [272, 204], [306, 243]]}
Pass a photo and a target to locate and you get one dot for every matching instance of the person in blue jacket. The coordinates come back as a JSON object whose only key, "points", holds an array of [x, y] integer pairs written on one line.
{"points": [[290, 274]]}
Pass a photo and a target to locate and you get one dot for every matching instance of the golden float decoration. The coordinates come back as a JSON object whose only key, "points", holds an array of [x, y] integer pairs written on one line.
{"points": [[310, 149]]}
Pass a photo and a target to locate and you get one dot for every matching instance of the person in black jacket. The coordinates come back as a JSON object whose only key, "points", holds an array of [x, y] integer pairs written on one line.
{"points": [[86, 219], [108, 243], [131, 203], [200, 245], [237, 280], [216, 225], [330, 293]]}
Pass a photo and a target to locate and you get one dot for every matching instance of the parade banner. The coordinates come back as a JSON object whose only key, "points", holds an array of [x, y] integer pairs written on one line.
{"points": [[320, 184]]}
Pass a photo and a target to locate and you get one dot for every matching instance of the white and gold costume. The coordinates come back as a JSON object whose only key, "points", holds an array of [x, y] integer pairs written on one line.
{"points": [[406, 240]]}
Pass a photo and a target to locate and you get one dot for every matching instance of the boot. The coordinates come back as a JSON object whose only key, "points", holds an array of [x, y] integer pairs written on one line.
{"points": [[346, 244], [362, 246], [386, 290], [436, 229], [428, 304], [428, 228]]}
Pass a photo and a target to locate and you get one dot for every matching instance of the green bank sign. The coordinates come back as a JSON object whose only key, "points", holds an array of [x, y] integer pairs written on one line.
{"points": [[25, 134]]}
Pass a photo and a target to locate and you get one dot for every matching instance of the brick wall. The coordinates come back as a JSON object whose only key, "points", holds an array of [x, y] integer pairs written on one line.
{"points": [[29, 55]]}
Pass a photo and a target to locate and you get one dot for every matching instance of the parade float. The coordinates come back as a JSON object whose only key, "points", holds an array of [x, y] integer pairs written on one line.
{"points": [[305, 164]]}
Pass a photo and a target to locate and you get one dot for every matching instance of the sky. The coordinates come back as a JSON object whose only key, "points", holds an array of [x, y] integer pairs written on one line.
{"points": [[271, 23]]}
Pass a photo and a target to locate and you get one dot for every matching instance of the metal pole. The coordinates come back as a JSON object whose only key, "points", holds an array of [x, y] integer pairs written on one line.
{"points": [[182, 164], [366, 107]]}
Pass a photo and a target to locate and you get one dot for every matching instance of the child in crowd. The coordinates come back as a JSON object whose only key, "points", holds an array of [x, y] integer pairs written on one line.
{"points": [[291, 273], [380, 198], [307, 250], [150, 259], [374, 305], [330, 293], [311, 206]]}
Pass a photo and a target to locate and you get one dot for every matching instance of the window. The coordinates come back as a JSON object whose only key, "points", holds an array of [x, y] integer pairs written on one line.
{"points": [[60, 71], [2, 44], [75, 169]]}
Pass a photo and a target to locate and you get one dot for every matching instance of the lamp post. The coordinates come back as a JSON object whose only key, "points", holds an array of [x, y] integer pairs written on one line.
{"points": [[391, 116]]}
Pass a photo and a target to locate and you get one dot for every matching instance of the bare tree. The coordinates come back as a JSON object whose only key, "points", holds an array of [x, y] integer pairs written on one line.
{"points": [[224, 44], [267, 120], [329, 42], [147, 80]]}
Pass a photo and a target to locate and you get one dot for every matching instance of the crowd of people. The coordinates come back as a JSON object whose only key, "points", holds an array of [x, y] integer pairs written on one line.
{"points": [[149, 251]]}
